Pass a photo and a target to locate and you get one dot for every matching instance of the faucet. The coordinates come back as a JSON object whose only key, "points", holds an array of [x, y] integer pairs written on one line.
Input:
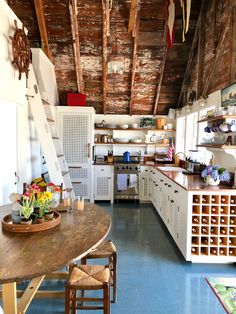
{"points": [[177, 159]]}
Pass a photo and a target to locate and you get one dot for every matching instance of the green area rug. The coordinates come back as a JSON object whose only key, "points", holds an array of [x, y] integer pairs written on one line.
{"points": [[225, 290]]}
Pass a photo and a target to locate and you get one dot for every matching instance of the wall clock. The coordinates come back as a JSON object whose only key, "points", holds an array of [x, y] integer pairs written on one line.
{"points": [[20, 50]]}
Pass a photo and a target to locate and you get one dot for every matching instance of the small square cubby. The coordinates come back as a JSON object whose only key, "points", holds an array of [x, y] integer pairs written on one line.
{"points": [[224, 210], [204, 251], [196, 209], [205, 210], [223, 220], [222, 251], [196, 199], [233, 199], [195, 230], [232, 231], [214, 210], [232, 241], [205, 220], [215, 199], [223, 241], [232, 251], [195, 250], [205, 230], [214, 230], [213, 251], [223, 230], [232, 220], [204, 241], [224, 199], [195, 240], [213, 240], [232, 210], [205, 199], [196, 220], [214, 220]]}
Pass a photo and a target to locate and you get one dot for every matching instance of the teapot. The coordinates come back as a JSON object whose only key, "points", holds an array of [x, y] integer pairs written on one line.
{"points": [[126, 157], [153, 138]]}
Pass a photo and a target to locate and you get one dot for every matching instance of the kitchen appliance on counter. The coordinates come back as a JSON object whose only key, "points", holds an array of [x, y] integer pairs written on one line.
{"points": [[126, 179]]}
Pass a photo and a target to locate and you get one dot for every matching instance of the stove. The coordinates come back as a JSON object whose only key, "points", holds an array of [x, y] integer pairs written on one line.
{"points": [[127, 167]]}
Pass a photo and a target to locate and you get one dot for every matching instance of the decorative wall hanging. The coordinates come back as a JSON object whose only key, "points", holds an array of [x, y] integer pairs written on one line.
{"points": [[228, 95], [170, 22], [20, 50], [186, 8]]}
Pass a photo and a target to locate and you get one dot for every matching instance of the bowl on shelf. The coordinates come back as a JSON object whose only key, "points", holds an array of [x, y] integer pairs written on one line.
{"points": [[137, 140], [121, 140], [123, 126], [134, 125]]}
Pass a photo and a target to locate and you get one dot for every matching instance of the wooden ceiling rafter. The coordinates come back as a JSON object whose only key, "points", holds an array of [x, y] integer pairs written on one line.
{"points": [[214, 62], [38, 4], [134, 62], [76, 45], [233, 57], [105, 33], [191, 53], [164, 55], [134, 7]]}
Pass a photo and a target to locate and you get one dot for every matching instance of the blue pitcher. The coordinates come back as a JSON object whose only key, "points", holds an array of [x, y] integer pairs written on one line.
{"points": [[126, 157]]}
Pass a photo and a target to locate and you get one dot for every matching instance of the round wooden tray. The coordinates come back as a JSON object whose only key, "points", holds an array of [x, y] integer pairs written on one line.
{"points": [[8, 225]]}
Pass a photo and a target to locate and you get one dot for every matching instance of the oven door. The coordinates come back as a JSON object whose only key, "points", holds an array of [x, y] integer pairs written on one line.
{"points": [[126, 185]]}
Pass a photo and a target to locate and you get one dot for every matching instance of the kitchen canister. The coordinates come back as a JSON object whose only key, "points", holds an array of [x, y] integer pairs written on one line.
{"points": [[160, 122]]}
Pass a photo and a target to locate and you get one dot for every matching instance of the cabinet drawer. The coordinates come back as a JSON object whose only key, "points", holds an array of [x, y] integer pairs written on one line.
{"points": [[103, 170]]}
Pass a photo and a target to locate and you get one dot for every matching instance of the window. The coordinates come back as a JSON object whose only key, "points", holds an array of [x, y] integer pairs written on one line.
{"points": [[180, 134], [191, 132]]}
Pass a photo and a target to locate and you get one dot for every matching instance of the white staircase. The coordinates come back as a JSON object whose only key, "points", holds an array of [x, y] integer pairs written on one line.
{"points": [[43, 115]]}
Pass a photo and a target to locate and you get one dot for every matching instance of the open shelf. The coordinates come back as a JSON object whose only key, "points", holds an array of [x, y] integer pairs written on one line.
{"points": [[211, 119], [133, 129], [219, 146], [136, 144]]}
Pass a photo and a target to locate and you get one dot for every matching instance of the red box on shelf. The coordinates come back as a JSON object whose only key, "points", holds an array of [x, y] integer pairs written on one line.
{"points": [[76, 99]]}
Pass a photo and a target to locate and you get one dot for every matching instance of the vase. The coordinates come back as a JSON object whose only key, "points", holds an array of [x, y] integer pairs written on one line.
{"points": [[210, 181]]}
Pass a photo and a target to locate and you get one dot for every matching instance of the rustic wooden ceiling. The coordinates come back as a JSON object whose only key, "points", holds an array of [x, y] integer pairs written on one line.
{"points": [[158, 75]]}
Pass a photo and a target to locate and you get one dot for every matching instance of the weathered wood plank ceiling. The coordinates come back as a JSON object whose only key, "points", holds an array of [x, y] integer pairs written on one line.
{"points": [[149, 58]]}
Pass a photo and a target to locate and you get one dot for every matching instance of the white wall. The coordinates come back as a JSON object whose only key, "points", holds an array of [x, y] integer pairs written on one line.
{"points": [[21, 153]]}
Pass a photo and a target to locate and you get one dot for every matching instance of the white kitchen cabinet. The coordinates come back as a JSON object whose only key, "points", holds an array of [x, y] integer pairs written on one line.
{"points": [[76, 131], [144, 193], [103, 182]]}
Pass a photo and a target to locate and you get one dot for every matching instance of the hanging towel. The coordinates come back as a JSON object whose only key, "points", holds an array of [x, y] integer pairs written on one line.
{"points": [[121, 182]]}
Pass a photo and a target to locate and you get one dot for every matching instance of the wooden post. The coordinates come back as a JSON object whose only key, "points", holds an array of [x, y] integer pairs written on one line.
{"points": [[161, 71], [76, 45], [9, 298], [134, 7], [135, 35], [42, 27]]}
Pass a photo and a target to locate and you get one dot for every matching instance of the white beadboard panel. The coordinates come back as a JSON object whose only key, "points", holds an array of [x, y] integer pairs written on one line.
{"points": [[12, 89], [45, 75]]}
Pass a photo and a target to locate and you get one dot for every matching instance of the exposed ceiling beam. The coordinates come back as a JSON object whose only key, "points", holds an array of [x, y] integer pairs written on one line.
{"points": [[133, 14], [164, 54], [233, 59], [76, 45], [38, 4], [105, 33], [191, 54], [215, 60], [135, 35]]}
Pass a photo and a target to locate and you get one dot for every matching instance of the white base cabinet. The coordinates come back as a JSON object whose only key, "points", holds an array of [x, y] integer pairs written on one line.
{"points": [[103, 182], [202, 223]]}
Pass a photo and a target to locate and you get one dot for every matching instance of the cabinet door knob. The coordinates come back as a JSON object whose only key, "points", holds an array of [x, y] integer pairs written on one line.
{"points": [[169, 185], [171, 201], [161, 180], [176, 191], [166, 183]]}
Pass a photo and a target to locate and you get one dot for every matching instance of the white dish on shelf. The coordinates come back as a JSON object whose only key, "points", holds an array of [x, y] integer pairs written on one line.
{"points": [[121, 140], [134, 126], [137, 140], [123, 126]]}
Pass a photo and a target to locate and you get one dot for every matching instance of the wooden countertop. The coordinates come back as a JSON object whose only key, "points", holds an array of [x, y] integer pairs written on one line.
{"points": [[192, 182], [26, 256]]}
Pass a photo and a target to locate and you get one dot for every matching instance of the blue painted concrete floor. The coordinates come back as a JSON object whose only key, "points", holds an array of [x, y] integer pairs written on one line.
{"points": [[153, 277]]}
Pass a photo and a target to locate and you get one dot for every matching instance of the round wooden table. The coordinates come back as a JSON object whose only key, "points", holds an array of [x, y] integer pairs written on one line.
{"points": [[31, 255]]}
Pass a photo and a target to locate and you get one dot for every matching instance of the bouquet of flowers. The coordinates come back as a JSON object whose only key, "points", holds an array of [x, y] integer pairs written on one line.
{"points": [[214, 174]]}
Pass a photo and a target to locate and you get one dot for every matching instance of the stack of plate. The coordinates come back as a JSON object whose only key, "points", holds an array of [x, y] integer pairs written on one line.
{"points": [[121, 140], [137, 140], [110, 126], [123, 126]]}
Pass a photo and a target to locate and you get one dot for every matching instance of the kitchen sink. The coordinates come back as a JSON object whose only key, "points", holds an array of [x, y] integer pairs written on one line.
{"points": [[171, 168]]}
